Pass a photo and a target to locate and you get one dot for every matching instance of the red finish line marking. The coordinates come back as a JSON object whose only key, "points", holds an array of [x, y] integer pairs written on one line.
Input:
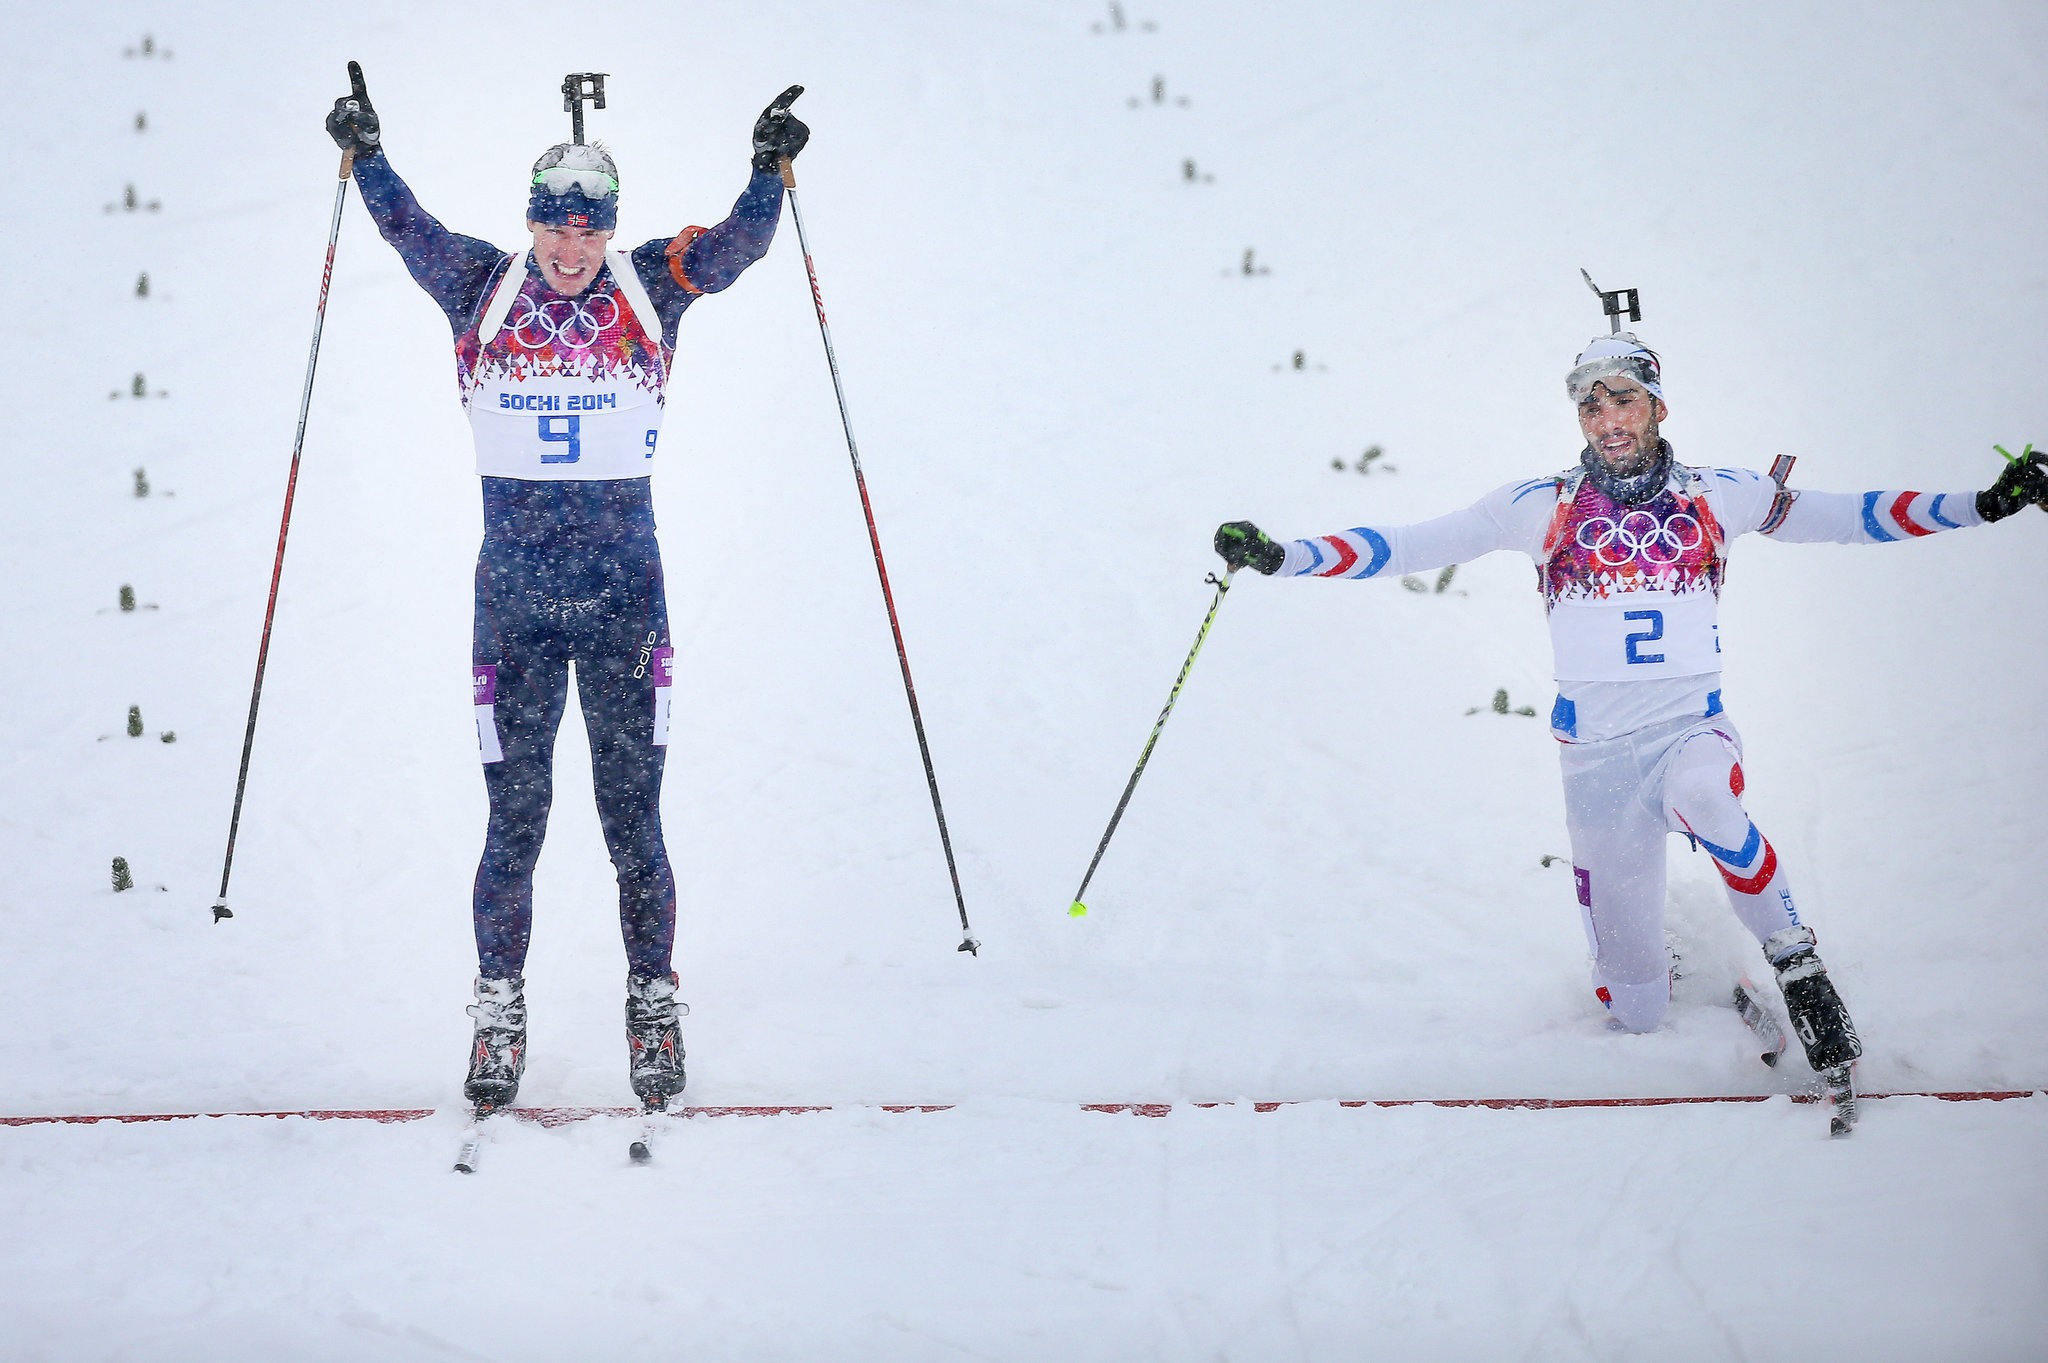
{"points": [[560, 1116]]}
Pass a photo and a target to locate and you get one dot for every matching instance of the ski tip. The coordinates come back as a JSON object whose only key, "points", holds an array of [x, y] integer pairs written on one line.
{"points": [[639, 1153], [464, 1167], [1771, 1058], [1077, 910], [1839, 1126]]}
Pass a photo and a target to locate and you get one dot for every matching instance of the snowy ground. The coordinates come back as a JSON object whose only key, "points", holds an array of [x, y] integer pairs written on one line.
{"points": [[1024, 1230], [1329, 885]]}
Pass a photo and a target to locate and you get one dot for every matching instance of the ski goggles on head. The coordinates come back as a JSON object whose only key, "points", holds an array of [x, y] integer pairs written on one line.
{"points": [[594, 184], [1640, 370]]}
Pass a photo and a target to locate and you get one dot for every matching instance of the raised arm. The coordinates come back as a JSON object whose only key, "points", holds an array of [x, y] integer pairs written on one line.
{"points": [[701, 260], [453, 268]]}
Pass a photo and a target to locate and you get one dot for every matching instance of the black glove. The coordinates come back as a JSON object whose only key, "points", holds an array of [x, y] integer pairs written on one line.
{"points": [[2024, 480], [353, 123], [778, 132], [1241, 542]]}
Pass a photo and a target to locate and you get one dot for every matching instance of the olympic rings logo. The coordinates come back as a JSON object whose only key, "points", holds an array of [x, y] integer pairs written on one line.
{"points": [[1640, 535], [572, 322]]}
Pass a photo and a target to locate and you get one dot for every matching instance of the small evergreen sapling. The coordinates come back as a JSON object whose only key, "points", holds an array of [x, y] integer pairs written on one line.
{"points": [[1500, 705]]}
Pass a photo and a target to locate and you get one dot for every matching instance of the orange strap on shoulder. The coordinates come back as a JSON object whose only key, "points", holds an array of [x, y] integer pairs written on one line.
{"points": [[674, 251]]}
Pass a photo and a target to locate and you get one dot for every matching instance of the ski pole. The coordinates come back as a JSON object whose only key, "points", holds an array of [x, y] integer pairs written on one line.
{"points": [[968, 943], [1078, 909], [348, 160]]}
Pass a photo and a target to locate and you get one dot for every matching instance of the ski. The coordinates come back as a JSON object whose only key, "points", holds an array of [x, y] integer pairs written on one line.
{"points": [[652, 1117], [1839, 1084], [472, 1148], [1759, 1019]]}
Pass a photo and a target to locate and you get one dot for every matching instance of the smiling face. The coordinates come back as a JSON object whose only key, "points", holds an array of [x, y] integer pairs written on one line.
{"points": [[1619, 420], [569, 257]]}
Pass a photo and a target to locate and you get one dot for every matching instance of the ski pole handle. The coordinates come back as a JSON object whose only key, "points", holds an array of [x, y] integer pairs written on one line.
{"points": [[788, 173]]}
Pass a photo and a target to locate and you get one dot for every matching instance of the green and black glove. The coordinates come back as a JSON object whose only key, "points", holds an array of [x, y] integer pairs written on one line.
{"points": [[2024, 481], [1241, 543]]}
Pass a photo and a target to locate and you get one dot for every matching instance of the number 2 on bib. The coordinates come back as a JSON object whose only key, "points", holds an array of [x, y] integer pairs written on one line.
{"points": [[569, 431], [1644, 636]]}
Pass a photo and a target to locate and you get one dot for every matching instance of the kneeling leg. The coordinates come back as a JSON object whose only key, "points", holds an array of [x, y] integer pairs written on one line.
{"points": [[1618, 862]]}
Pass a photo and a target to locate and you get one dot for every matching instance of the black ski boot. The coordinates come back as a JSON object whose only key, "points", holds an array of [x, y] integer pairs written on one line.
{"points": [[654, 1043], [1818, 1018], [497, 1055]]}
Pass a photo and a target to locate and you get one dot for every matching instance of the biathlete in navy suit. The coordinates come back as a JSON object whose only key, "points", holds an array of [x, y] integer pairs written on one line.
{"points": [[561, 354]]}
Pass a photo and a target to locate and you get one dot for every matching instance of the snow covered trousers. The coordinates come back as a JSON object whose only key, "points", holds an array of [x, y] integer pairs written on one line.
{"points": [[540, 607], [1623, 796]]}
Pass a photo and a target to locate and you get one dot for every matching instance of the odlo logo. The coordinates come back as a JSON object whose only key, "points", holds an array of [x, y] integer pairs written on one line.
{"points": [[646, 654]]}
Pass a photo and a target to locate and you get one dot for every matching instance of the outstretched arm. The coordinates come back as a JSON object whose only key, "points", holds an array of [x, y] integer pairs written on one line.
{"points": [[1511, 517], [1754, 502], [1874, 517]]}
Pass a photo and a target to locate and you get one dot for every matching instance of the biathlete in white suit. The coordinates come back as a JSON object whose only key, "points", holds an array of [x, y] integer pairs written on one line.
{"points": [[562, 353], [1631, 548]]}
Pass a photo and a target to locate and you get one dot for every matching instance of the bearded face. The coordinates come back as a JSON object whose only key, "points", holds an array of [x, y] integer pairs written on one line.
{"points": [[1619, 420]]}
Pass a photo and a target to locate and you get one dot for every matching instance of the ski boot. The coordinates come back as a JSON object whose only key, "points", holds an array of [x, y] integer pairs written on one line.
{"points": [[497, 1056], [1818, 1019], [654, 1044]]}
